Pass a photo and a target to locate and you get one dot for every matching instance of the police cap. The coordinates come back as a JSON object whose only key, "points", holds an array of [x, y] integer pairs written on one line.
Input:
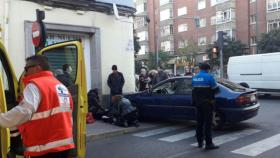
{"points": [[204, 66]]}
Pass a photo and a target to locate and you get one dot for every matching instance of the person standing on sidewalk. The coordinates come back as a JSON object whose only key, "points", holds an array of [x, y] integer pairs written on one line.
{"points": [[44, 116], [115, 82], [203, 94]]}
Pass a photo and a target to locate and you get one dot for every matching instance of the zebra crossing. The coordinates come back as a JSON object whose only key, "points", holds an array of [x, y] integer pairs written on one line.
{"points": [[254, 149]]}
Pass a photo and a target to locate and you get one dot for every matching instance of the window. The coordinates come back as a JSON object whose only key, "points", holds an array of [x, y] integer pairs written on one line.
{"points": [[273, 24], [220, 1], [252, 1], [202, 41], [253, 40], [63, 55], [273, 5], [7, 79], [202, 22], [177, 87], [182, 11], [253, 19], [142, 35], [165, 46], [201, 4], [165, 14], [141, 8], [229, 34], [182, 27], [163, 2], [166, 30], [213, 2], [225, 16], [139, 22], [213, 20], [182, 43], [142, 51]]}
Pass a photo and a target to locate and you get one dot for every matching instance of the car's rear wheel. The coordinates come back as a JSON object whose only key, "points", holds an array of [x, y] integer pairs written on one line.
{"points": [[218, 120]]}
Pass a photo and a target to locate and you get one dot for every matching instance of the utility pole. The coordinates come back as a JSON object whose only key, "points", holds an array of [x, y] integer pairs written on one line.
{"points": [[221, 47], [257, 27]]}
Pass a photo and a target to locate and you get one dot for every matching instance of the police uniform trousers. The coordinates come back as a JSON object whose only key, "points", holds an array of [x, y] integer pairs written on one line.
{"points": [[204, 114]]}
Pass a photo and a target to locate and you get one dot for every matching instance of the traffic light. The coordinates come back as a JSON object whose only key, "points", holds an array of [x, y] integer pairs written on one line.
{"points": [[215, 52]]}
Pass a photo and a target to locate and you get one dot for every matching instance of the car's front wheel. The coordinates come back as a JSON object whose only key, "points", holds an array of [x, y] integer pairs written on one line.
{"points": [[218, 121]]}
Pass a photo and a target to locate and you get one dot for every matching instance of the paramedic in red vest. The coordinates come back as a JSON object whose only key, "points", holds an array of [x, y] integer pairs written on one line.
{"points": [[44, 116]]}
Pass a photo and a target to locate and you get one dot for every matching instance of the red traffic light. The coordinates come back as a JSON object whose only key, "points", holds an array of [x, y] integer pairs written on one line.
{"points": [[215, 52]]}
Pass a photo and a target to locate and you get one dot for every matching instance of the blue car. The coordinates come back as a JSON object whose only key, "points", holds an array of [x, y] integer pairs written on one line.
{"points": [[172, 99]]}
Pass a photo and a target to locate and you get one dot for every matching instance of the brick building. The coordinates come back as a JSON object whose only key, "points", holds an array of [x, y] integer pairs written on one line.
{"points": [[173, 22]]}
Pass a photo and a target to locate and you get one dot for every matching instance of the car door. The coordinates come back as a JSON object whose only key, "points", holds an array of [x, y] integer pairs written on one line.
{"points": [[181, 99], [162, 107], [71, 53]]}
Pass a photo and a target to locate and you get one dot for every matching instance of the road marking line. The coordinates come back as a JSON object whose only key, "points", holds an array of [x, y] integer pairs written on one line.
{"points": [[259, 147], [157, 131], [178, 137], [179, 154], [232, 136]]}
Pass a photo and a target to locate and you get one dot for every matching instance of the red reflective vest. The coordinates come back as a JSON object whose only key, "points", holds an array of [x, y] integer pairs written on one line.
{"points": [[50, 127]]}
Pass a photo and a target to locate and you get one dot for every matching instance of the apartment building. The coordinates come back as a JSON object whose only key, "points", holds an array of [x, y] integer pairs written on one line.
{"points": [[172, 26]]}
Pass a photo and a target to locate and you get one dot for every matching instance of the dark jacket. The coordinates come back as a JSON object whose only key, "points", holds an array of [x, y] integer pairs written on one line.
{"points": [[161, 76], [65, 79], [115, 82], [204, 89]]}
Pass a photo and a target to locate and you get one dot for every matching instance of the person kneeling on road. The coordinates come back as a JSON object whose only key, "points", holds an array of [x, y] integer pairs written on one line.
{"points": [[122, 112]]}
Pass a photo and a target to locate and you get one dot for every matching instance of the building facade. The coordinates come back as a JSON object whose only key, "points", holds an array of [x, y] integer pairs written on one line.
{"points": [[107, 37], [173, 26]]}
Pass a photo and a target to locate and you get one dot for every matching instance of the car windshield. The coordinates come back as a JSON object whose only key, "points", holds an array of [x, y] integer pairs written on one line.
{"points": [[231, 85]]}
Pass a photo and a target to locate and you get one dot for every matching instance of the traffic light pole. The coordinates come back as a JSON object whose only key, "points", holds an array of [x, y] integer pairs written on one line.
{"points": [[221, 63], [221, 46]]}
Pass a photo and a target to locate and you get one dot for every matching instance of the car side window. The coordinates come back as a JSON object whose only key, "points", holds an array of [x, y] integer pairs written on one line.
{"points": [[166, 88], [183, 87]]}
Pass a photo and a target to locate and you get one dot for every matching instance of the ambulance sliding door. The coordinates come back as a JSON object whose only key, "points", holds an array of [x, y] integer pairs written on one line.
{"points": [[71, 53]]}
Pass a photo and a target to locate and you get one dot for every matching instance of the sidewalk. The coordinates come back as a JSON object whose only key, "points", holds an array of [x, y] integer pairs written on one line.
{"points": [[100, 129]]}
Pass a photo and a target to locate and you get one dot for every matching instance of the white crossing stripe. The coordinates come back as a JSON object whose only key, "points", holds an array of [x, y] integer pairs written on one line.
{"points": [[260, 146], [232, 136], [178, 137], [157, 131]]}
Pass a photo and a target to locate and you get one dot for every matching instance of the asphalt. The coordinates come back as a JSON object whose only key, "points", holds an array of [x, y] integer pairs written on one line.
{"points": [[100, 129]]}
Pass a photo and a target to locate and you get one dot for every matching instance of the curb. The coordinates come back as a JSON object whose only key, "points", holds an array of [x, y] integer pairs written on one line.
{"points": [[92, 137]]}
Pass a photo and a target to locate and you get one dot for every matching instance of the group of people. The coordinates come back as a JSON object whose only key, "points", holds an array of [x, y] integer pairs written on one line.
{"points": [[147, 80], [43, 93]]}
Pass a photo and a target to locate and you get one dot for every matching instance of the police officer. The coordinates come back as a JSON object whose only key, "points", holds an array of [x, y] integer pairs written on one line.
{"points": [[203, 94]]}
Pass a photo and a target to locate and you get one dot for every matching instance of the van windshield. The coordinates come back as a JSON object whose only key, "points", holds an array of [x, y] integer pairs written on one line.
{"points": [[231, 85]]}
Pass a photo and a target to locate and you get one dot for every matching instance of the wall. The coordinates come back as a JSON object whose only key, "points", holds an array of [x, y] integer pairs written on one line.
{"points": [[116, 45]]}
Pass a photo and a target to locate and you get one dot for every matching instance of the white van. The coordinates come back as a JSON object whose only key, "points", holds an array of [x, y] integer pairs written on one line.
{"points": [[259, 71]]}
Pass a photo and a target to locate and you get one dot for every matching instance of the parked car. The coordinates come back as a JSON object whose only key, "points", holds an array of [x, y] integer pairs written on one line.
{"points": [[172, 98]]}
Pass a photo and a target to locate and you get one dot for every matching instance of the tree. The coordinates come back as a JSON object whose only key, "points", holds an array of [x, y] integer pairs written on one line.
{"points": [[270, 42], [231, 48], [189, 51], [163, 57]]}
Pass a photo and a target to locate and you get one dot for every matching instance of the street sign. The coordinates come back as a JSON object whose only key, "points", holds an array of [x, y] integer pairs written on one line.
{"points": [[36, 33]]}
